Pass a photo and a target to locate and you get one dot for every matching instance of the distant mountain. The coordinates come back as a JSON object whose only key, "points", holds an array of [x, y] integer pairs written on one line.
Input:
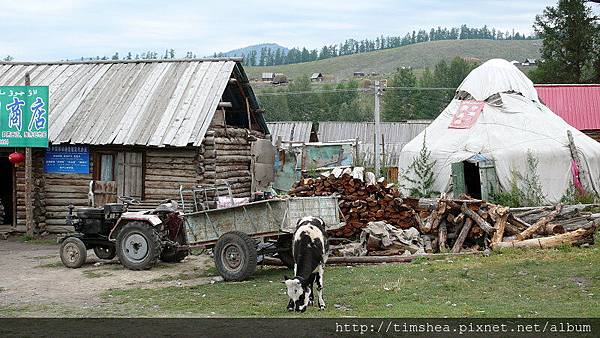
{"points": [[418, 56], [257, 48]]}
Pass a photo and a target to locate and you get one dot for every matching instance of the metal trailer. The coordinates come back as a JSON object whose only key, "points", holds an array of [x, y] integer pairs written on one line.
{"points": [[241, 234]]}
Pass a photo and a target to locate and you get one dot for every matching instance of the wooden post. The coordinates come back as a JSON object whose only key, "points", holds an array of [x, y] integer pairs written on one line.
{"points": [[378, 93], [28, 180]]}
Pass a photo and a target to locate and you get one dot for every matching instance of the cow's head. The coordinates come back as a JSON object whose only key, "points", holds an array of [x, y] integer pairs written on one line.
{"points": [[298, 293], [311, 220]]}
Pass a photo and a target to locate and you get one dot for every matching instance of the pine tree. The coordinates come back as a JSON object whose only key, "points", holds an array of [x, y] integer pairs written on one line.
{"points": [[420, 175], [570, 40]]}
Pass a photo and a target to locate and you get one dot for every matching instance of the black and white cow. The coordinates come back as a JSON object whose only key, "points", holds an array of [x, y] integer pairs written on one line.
{"points": [[309, 248]]}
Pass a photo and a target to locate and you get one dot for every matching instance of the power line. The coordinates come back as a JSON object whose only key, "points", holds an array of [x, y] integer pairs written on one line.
{"points": [[353, 90]]}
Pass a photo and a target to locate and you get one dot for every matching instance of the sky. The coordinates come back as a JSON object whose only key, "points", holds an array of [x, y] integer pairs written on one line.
{"points": [[35, 30]]}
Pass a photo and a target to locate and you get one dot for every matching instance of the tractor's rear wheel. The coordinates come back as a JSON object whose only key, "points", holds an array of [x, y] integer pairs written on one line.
{"points": [[73, 252], [138, 246], [235, 256]]}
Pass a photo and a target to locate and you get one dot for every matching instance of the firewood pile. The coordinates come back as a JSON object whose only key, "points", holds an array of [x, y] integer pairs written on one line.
{"points": [[362, 199], [455, 225], [448, 225]]}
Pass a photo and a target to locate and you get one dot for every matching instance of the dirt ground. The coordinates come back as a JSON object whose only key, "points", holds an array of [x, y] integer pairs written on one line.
{"points": [[32, 275]]}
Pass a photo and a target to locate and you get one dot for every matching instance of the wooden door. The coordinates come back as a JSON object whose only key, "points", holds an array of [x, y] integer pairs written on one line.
{"points": [[129, 167], [490, 184], [458, 179]]}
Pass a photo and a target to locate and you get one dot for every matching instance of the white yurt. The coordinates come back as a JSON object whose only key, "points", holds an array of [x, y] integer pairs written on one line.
{"points": [[494, 121]]}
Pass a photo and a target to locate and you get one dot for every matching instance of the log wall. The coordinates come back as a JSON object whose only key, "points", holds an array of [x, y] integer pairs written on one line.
{"points": [[224, 155]]}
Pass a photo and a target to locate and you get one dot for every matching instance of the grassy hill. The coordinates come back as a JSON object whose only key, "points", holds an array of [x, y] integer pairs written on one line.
{"points": [[417, 56]]}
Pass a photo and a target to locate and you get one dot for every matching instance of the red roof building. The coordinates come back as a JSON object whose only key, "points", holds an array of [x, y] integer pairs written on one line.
{"points": [[579, 105]]}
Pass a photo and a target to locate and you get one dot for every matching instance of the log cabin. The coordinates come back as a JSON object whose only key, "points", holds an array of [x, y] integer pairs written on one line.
{"points": [[149, 126]]}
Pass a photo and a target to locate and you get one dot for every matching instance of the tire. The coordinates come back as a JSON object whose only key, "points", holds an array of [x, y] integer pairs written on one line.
{"points": [[138, 246], [73, 252], [105, 252], [172, 254], [235, 256], [284, 250]]}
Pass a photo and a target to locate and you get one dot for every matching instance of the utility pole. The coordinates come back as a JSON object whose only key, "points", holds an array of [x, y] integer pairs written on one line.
{"points": [[378, 93], [28, 180]]}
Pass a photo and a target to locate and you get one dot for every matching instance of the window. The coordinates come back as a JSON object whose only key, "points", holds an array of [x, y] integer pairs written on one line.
{"points": [[107, 165], [123, 167]]}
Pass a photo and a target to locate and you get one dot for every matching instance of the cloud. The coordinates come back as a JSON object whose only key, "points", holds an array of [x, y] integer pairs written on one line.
{"points": [[73, 28]]}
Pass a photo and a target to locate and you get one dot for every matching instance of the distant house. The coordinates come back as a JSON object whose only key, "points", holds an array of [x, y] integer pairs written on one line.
{"points": [[359, 74], [279, 78], [528, 62], [317, 77], [578, 105], [267, 77]]}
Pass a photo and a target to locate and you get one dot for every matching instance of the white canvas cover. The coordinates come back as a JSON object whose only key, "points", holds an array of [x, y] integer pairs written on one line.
{"points": [[506, 133]]}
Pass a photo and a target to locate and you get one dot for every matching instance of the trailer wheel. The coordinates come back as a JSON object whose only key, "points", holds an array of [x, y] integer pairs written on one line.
{"points": [[284, 250], [73, 252], [138, 246], [235, 256], [105, 251]]}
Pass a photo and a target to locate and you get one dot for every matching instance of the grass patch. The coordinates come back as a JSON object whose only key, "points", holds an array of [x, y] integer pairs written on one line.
{"points": [[51, 265], [534, 283], [197, 273], [32, 240], [96, 273]]}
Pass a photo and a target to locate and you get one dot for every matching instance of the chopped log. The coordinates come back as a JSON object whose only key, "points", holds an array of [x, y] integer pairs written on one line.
{"points": [[552, 241], [518, 222], [553, 229], [427, 244], [500, 226], [483, 224], [420, 225], [443, 237], [462, 236], [510, 229], [539, 224]]}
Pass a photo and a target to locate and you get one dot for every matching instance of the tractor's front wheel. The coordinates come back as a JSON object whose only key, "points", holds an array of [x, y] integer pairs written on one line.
{"points": [[138, 246], [73, 252], [235, 256]]}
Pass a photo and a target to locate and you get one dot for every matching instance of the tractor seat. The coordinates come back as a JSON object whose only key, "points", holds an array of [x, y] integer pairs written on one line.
{"points": [[90, 213]]}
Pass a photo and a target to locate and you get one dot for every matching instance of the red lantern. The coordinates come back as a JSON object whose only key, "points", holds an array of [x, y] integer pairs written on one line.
{"points": [[16, 158]]}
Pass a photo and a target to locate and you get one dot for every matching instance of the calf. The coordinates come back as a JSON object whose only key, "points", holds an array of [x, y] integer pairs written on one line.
{"points": [[309, 249]]}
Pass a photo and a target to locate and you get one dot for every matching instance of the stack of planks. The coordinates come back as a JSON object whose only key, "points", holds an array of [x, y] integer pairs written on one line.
{"points": [[362, 199]]}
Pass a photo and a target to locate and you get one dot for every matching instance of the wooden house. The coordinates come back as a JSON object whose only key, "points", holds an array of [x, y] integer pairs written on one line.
{"points": [[267, 77], [317, 77], [147, 125]]}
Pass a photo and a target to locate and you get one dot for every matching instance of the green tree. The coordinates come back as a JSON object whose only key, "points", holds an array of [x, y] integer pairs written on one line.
{"points": [[419, 178], [570, 44], [398, 101]]}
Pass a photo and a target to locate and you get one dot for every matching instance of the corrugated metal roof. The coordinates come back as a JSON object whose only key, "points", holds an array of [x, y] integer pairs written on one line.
{"points": [[395, 136], [137, 102], [290, 131], [579, 105]]}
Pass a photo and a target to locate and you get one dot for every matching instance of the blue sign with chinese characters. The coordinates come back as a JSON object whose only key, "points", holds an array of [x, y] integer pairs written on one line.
{"points": [[67, 160]]}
